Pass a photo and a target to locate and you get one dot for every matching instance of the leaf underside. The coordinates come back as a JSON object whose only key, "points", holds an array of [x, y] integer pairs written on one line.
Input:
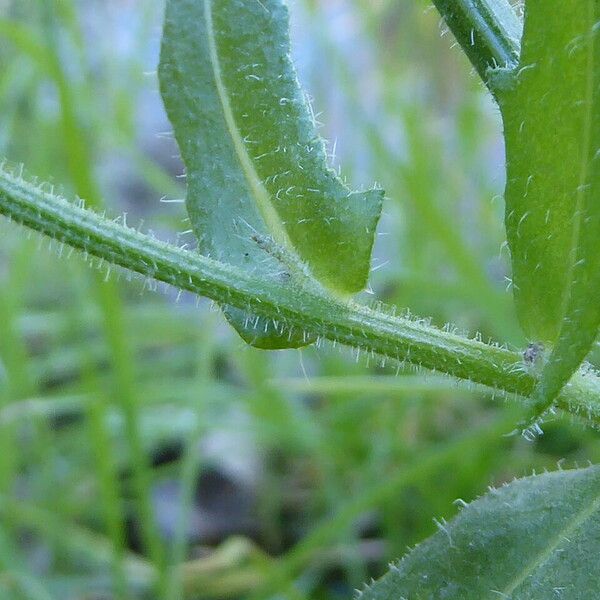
{"points": [[260, 193], [536, 538], [552, 130]]}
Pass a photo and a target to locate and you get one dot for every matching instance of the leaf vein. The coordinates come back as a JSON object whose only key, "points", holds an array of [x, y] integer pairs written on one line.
{"points": [[577, 520], [260, 194]]}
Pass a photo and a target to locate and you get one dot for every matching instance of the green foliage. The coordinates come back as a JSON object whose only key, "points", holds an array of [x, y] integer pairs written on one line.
{"points": [[535, 538], [550, 107], [554, 232], [552, 131], [283, 244], [260, 194]]}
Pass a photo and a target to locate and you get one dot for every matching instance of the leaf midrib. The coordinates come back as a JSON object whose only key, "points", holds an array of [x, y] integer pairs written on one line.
{"points": [[577, 520], [260, 194]]}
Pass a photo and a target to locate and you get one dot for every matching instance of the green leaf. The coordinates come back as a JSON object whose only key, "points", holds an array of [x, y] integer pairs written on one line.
{"points": [[552, 128], [260, 193], [536, 538]]}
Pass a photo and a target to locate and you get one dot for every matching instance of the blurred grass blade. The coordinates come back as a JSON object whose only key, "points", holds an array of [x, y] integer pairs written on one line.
{"points": [[552, 209], [80, 159], [90, 548], [550, 522], [16, 575], [481, 439], [372, 385], [260, 193]]}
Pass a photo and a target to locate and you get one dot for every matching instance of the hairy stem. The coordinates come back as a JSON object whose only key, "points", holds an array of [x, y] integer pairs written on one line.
{"points": [[283, 302], [488, 31]]}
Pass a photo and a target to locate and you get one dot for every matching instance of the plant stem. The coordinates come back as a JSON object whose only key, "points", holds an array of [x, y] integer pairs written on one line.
{"points": [[488, 31], [287, 304], [296, 307]]}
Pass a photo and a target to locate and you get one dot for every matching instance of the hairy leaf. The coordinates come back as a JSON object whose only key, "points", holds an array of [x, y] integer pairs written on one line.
{"points": [[552, 127], [260, 193], [536, 538]]}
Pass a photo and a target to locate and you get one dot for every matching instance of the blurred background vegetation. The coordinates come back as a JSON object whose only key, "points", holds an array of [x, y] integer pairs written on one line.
{"points": [[146, 452]]}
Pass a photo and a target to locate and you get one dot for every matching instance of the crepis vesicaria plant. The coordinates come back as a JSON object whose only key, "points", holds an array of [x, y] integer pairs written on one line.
{"points": [[284, 244]]}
